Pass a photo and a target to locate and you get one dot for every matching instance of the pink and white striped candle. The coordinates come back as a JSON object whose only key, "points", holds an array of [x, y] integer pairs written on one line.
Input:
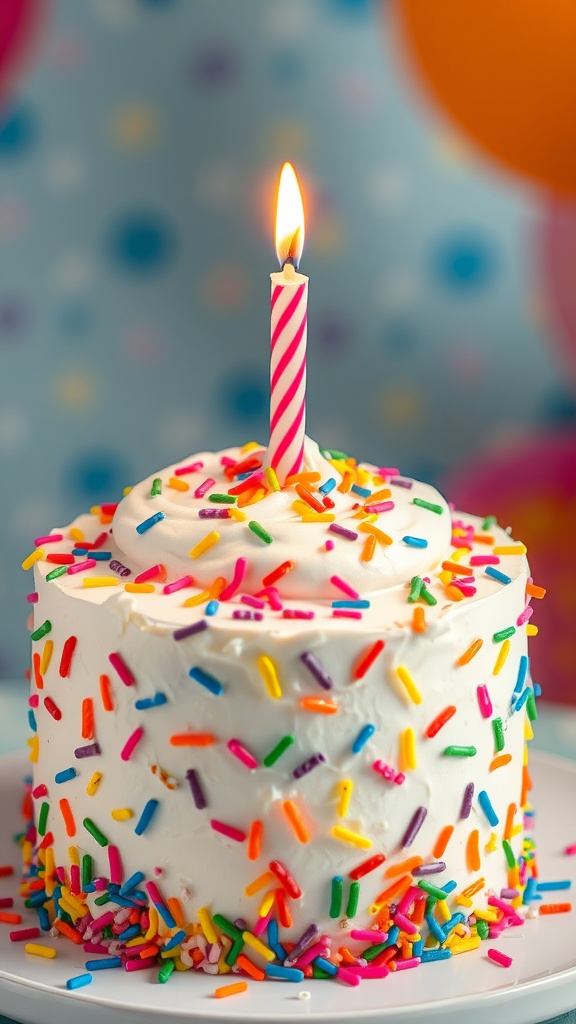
{"points": [[288, 333]]}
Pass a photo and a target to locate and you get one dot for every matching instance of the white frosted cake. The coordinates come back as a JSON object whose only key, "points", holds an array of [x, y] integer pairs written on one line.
{"points": [[280, 731]]}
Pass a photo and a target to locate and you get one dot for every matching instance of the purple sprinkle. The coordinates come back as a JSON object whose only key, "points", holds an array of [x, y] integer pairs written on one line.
{"points": [[214, 513], [240, 613], [414, 826], [380, 506], [509, 894], [315, 668], [197, 791], [308, 765], [117, 566], [435, 868], [467, 801], [240, 922], [398, 481], [198, 627], [342, 532], [304, 941], [88, 751]]}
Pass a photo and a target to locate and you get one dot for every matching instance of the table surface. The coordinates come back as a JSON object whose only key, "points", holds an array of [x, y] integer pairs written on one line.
{"points": [[555, 732]]}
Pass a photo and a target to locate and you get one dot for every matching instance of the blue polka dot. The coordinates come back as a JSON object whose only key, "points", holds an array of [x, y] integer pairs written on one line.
{"points": [[245, 396], [351, 6], [286, 67], [75, 320], [97, 476], [464, 260], [399, 337], [17, 131], [559, 407], [142, 242]]}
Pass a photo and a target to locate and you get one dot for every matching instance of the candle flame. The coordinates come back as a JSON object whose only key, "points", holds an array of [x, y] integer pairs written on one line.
{"points": [[289, 218]]}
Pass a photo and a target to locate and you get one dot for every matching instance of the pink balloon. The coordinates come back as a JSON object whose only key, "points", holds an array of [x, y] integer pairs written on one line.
{"points": [[19, 24]]}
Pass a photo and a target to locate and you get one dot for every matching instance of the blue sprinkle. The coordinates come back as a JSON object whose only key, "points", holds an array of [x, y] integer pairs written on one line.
{"points": [[286, 973], [32, 720], [98, 556], [205, 679], [415, 542], [362, 738], [131, 883], [486, 805], [497, 575], [537, 689], [79, 981], [325, 965], [522, 674], [435, 928], [244, 476], [392, 935], [350, 604], [273, 941], [65, 775], [151, 702], [328, 486], [522, 699], [212, 607], [417, 947], [175, 940], [428, 955], [146, 817], [553, 886], [149, 523], [43, 919], [103, 965], [362, 491], [530, 890], [449, 887], [129, 933]]}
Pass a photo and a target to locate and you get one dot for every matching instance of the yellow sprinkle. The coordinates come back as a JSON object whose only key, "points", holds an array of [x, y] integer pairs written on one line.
{"points": [[126, 490], [46, 951], [250, 446], [266, 904], [486, 915], [454, 594], [246, 498], [201, 598], [73, 906], [152, 923], [205, 544], [269, 672], [205, 918], [528, 731], [531, 630], [492, 844], [345, 787], [501, 659], [525, 755], [223, 967], [36, 555], [516, 831], [318, 517], [511, 549], [140, 588], [272, 479], [257, 946], [442, 912], [411, 688], [445, 577], [122, 814], [301, 507], [409, 745], [34, 744], [46, 655], [464, 901], [235, 513], [100, 581], [94, 783], [354, 838], [381, 537], [76, 534], [73, 855], [458, 554], [95, 510], [178, 484], [259, 883], [463, 945]]}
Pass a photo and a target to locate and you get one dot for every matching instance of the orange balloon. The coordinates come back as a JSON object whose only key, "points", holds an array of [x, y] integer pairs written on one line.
{"points": [[505, 71]]}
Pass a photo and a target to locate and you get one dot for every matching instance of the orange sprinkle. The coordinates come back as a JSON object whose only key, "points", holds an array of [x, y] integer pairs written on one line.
{"points": [[178, 484], [555, 908], [37, 674], [296, 823], [148, 951], [526, 786], [105, 693], [473, 850], [66, 813], [309, 498], [87, 719], [457, 568], [321, 705], [483, 538], [419, 619], [346, 481], [197, 956], [10, 918], [250, 497], [258, 883], [176, 911], [202, 598], [255, 839], [250, 968], [396, 890], [417, 915], [510, 814], [67, 930], [307, 477], [230, 990], [192, 739], [499, 762], [346, 955], [368, 549], [216, 588], [475, 887], [470, 652], [381, 537], [454, 594], [381, 495], [405, 866], [533, 591], [442, 841]]}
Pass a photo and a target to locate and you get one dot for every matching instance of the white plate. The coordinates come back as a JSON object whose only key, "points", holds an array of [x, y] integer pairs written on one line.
{"points": [[540, 984]]}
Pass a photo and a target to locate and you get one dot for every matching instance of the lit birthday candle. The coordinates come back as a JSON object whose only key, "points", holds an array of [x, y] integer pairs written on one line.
{"points": [[288, 333]]}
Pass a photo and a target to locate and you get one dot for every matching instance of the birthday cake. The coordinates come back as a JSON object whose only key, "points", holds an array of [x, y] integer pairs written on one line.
{"points": [[279, 730]]}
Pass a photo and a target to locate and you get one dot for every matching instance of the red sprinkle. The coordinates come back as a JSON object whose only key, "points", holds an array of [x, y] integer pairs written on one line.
{"points": [[368, 659], [367, 866], [440, 720], [277, 573], [66, 659], [52, 709]]}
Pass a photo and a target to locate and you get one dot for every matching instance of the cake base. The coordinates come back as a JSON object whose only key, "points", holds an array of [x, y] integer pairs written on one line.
{"points": [[540, 984]]}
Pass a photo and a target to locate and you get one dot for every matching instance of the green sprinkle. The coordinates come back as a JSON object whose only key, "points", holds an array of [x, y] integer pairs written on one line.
{"points": [[278, 750], [416, 584], [489, 522], [483, 929], [531, 707], [459, 752], [333, 453], [260, 532], [43, 818], [509, 853], [107, 932], [504, 634], [429, 505], [499, 740], [42, 630], [353, 896], [66, 918], [54, 573], [165, 971], [336, 896], [432, 890], [223, 499], [427, 596], [320, 973], [86, 870], [95, 832], [226, 926], [156, 488], [431, 904], [234, 951], [373, 951], [103, 899]]}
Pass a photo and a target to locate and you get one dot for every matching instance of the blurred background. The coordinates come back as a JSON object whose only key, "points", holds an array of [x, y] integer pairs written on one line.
{"points": [[140, 146]]}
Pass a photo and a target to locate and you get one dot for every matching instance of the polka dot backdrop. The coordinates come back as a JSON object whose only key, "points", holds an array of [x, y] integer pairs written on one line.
{"points": [[140, 143]]}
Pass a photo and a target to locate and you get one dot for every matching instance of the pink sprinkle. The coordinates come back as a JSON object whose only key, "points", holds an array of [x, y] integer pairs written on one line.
{"points": [[94, 947], [386, 471], [88, 563], [40, 790], [329, 545], [296, 613], [499, 958], [262, 923], [484, 560], [225, 460], [404, 924], [122, 669], [154, 893], [320, 948], [525, 615], [129, 746], [32, 598], [228, 830], [484, 701], [100, 923], [272, 596], [51, 538], [75, 887], [345, 587], [204, 487], [115, 862], [254, 602], [380, 506], [570, 851], [369, 934], [239, 751], [405, 965], [171, 588], [140, 965], [345, 613], [182, 470], [34, 700], [239, 570], [369, 971], [464, 588], [150, 574], [23, 934], [348, 976], [412, 894]]}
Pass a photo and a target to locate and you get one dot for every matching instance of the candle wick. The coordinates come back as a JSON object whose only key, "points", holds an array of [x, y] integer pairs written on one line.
{"points": [[288, 269]]}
